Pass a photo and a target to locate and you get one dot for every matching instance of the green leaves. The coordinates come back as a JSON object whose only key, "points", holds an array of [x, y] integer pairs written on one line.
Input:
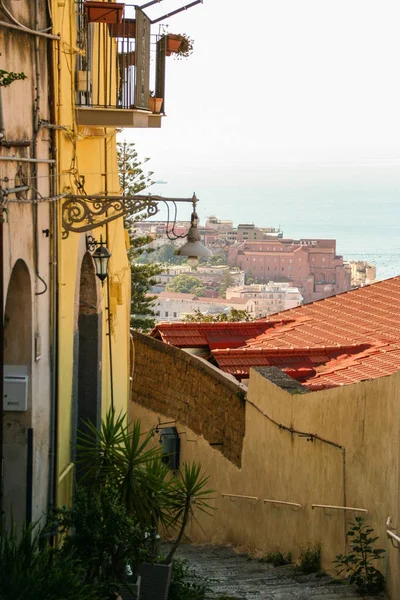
{"points": [[233, 316], [143, 276], [357, 566], [30, 568], [121, 459], [188, 493], [8, 77], [186, 284], [116, 456]]}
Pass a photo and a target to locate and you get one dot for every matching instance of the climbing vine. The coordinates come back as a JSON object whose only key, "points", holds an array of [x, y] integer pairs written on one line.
{"points": [[8, 77]]}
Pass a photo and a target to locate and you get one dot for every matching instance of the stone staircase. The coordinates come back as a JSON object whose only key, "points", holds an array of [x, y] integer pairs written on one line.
{"points": [[234, 576]]}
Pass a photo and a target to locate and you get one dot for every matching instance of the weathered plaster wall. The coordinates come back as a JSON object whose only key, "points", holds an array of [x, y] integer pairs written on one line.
{"points": [[356, 465], [19, 101]]}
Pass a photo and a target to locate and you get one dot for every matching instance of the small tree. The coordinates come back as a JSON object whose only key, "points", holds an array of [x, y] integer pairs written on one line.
{"points": [[163, 254], [143, 273], [233, 316], [218, 259], [226, 282], [186, 284], [357, 566]]}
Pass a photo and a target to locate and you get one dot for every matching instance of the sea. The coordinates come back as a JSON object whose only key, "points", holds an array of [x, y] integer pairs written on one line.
{"points": [[359, 207]]}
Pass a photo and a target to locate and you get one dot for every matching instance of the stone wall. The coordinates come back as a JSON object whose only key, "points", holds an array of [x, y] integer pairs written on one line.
{"points": [[186, 388]]}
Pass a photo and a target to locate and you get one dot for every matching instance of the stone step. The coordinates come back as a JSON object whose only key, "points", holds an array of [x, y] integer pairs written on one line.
{"points": [[239, 577]]}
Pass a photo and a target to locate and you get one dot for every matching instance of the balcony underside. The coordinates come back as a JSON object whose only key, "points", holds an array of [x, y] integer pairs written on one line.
{"points": [[117, 117]]}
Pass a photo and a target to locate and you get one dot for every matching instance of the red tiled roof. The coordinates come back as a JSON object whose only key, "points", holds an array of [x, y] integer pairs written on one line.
{"points": [[368, 317], [209, 335], [343, 339]]}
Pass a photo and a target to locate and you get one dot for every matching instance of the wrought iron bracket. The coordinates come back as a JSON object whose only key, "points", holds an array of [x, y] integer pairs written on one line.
{"points": [[92, 243], [84, 213]]}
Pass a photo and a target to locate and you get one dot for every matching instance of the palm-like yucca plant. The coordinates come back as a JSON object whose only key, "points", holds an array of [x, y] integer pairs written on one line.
{"points": [[120, 457], [188, 493], [96, 448], [116, 456]]}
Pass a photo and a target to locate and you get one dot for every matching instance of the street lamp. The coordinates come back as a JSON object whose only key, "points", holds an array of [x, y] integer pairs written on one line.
{"points": [[100, 254], [193, 248]]}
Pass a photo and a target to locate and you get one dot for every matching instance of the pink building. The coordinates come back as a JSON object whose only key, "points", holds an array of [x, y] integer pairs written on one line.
{"points": [[310, 265]]}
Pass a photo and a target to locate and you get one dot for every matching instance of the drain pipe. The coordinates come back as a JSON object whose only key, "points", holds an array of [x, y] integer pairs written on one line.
{"points": [[1, 118], [52, 492], [1, 360], [49, 36], [108, 283]]}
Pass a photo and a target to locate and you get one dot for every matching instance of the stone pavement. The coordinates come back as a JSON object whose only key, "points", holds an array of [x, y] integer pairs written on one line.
{"points": [[234, 576]]}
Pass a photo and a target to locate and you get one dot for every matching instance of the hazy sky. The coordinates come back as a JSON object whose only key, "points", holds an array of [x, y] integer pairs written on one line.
{"points": [[305, 89]]}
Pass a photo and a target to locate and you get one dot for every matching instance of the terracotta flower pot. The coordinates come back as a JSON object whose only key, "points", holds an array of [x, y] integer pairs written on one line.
{"points": [[173, 43], [103, 12], [155, 104]]}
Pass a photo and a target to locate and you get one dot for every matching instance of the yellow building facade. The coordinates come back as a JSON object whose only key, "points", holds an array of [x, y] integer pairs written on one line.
{"points": [[97, 90], [86, 74]]}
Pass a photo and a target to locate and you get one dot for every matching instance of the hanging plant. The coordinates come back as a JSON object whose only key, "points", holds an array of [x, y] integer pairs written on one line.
{"points": [[8, 77], [179, 44]]}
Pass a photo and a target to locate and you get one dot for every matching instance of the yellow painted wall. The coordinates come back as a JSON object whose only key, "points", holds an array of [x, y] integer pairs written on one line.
{"points": [[93, 157], [363, 419]]}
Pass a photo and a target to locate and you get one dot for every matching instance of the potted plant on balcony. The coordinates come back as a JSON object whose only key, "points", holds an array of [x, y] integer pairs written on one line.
{"points": [[103, 12], [179, 44], [155, 104]]}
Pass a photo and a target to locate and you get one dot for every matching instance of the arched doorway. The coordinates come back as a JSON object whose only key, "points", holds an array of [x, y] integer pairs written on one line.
{"points": [[88, 355], [18, 433]]}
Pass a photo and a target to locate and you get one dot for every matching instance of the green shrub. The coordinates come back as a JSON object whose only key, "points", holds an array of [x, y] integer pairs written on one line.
{"points": [[310, 558], [30, 568], [102, 534], [357, 566], [277, 558], [186, 584]]}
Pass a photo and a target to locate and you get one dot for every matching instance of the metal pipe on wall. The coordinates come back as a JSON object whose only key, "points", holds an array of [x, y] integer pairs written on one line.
{"points": [[108, 284], [27, 160], [49, 36], [52, 492], [1, 360]]}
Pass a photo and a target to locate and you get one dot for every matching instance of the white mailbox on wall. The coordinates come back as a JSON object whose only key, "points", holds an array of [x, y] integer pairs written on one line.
{"points": [[16, 381]]}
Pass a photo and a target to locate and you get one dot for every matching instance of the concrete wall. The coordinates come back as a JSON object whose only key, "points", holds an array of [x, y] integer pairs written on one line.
{"points": [[353, 461]]}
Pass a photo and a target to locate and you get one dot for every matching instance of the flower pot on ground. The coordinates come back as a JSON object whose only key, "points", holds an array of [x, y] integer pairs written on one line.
{"points": [[103, 12], [130, 588], [155, 581]]}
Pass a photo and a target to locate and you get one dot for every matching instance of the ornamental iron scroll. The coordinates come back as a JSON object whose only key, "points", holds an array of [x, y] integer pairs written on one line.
{"points": [[84, 213]]}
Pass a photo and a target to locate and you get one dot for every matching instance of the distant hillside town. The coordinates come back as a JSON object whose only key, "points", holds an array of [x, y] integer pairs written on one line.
{"points": [[253, 268]]}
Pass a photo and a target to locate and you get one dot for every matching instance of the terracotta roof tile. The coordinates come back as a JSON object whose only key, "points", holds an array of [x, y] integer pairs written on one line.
{"points": [[340, 340]]}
